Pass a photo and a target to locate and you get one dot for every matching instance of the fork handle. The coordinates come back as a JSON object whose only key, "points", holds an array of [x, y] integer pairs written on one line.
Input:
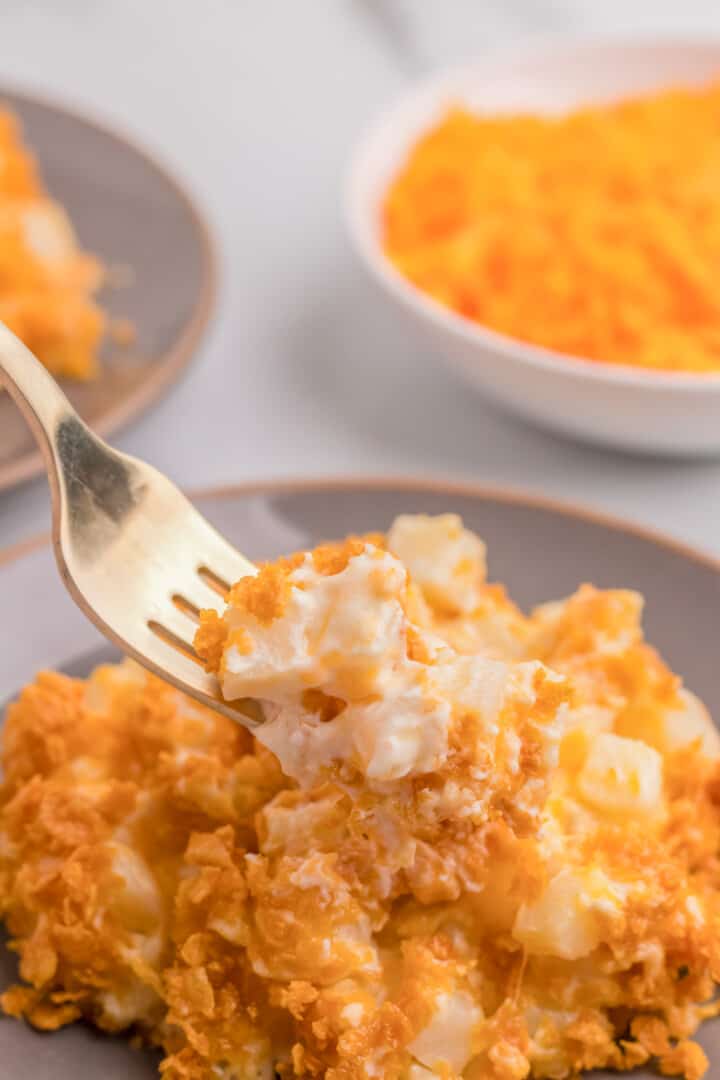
{"points": [[82, 469], [36, 394]]}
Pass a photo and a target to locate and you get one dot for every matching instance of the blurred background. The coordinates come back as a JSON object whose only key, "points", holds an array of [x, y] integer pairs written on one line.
{"points": [[256, 107]]}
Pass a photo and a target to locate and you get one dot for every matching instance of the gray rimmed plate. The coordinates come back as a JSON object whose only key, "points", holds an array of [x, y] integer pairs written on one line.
{"points": [[540, 550], [133, 215]]}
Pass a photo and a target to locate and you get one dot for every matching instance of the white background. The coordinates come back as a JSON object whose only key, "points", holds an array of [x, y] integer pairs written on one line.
{"points": [[256, 104]]}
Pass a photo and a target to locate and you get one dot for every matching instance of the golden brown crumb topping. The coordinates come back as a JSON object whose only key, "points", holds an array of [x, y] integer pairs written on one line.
{"points": [[502, 863]]}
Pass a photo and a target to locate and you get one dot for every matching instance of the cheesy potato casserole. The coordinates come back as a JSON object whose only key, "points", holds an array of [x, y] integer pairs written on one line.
{"points": [[465, 842]]}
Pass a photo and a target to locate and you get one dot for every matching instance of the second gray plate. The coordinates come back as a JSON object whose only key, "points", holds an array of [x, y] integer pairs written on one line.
{"points": [[130, 213]]}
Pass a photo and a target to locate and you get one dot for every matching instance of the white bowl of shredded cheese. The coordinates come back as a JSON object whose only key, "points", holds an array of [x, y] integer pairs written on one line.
{"points": [[629, 407]]}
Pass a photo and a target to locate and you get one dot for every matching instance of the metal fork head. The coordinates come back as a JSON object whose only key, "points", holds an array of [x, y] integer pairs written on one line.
{"points": [[133, 552]]}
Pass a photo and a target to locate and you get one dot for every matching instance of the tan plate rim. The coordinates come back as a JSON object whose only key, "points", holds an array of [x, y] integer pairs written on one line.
{"points": [[169, 365], [436, 484]]}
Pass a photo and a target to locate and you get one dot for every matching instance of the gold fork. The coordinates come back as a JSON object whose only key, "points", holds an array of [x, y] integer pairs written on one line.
{"points": [[133, 552]]}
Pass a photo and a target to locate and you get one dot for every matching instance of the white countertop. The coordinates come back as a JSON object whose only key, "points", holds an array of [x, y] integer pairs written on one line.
{"points": [[256, 104]]}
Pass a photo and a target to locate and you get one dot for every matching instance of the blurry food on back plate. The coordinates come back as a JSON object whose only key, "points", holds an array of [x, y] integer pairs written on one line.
{"points": [[47, 282]]}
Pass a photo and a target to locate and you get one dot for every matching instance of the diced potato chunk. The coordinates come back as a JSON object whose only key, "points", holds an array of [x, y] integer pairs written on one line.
{"points": [[622, 776], [446, 560], [447, 1039], [563, 922]]}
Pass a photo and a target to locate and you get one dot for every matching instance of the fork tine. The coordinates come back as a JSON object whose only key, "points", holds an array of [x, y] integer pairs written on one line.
{"points": [[222, 560], [215, 582], [170, 618], [196, 592], [169, 638], [186, 607]]}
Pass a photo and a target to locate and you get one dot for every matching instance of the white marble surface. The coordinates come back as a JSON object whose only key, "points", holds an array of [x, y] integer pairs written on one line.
{"points": [[257, 103]]}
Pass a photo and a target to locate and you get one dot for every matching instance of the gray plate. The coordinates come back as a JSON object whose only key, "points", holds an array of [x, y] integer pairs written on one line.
{"points": [[538, 550], [131, 213]]}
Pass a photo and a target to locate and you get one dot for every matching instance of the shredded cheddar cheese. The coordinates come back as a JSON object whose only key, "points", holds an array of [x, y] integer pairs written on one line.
{"points": [[46, 282], [595, 234]]}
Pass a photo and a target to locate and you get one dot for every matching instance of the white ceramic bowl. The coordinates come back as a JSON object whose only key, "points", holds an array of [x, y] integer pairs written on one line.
{"points": [[622, 406]]}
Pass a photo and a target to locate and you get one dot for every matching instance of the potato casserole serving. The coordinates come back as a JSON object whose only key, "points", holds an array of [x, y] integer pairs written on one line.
{"points": [[464, 842]]}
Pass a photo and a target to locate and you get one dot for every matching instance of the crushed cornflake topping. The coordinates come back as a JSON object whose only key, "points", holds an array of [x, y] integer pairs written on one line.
{"points": [[466, 842]]}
